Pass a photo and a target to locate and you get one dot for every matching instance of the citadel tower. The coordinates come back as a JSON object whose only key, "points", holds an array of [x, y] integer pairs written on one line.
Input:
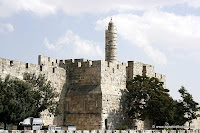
{"points": [[111, 42]]}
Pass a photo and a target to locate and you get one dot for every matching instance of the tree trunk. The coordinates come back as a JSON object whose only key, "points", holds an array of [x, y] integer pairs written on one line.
{"points": [[4, 125], [189, 125]]}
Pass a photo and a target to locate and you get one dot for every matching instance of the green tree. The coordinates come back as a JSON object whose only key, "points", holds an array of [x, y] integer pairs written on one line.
{"points": [[179, 113], [16, 101], [20, 99], [148, 99], [47, 94], [189, 106]]}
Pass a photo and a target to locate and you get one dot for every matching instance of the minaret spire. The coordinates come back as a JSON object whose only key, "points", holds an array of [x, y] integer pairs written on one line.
{"points": [[111, 42]]}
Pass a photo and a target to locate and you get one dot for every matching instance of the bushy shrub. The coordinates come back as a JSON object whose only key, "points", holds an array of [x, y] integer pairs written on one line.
{"points": [[122, 128]]}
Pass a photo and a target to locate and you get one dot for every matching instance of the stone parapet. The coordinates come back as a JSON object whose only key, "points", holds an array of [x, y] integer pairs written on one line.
{"points": [[47, 61], [162, 78], [138, 68], [100, 131]]}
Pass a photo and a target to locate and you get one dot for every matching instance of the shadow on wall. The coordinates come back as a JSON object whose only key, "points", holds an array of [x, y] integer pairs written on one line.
{"points": [[59, 118], [119, 118]]}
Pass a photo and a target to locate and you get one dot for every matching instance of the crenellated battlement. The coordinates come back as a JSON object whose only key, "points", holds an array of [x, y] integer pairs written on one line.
{"points": [[138, 68], [117, 64], [11, 66], [79, 63], [160, 76], [73, 61], [48, 61], [80, 60], [135, 68], [84, 63], [148, 70], [76, 63]]}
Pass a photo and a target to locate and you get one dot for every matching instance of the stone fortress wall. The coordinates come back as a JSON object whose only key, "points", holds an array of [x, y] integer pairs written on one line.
{"points": [[83, 97], [91, 92], [113, 86], [56, 75], [94, 93]]}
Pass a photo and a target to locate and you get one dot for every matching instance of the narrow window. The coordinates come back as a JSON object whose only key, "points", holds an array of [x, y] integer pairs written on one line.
{"points": [[52, 63], [49, 59], [106, 124], [113, 70], [56, 61], [53, 70], [96, 104], [11, 63], [67, 106], [26, 65], [118, 66], [144, 70], [85, 107], [40, 68]]}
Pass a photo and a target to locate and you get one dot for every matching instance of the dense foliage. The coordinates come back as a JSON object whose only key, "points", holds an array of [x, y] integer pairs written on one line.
{"points": [[148, 98], [186, 109], [122, 128], [20, 99], [46, 93]]}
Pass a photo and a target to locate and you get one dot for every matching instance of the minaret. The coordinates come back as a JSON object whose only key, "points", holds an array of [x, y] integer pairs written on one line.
{"points": [[111, 42]]}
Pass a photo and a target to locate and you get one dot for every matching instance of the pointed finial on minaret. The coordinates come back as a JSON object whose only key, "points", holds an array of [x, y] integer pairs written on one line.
{"points": [[111, 22]]}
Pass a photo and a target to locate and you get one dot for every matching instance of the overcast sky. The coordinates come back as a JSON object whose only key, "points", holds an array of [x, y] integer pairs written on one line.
{"points": [[163, 33]]}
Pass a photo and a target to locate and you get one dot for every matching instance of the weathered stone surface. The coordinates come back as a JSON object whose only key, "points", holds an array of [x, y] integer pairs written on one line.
{"points": [[111, 42]]}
